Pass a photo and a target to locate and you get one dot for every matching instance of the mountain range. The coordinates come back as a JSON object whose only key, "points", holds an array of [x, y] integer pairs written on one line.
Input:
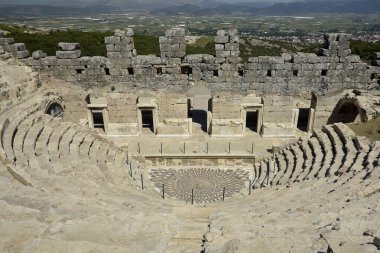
{"points": [[182, 7]]}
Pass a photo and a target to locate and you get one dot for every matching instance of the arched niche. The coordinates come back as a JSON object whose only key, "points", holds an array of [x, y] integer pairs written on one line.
{"points": [[55, 109], [348, 110]]}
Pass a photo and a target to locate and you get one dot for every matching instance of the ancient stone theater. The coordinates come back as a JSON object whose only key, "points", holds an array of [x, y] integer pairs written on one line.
{"points": [[188, 153]]}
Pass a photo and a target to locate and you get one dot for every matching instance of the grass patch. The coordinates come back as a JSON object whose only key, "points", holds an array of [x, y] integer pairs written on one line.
{"points": [[369, 129], [203, 45]]}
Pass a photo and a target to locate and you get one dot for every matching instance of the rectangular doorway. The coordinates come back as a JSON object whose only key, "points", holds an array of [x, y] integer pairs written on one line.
{"points": [[303, 119], [147, 119], [98, 119], [251, 120]]}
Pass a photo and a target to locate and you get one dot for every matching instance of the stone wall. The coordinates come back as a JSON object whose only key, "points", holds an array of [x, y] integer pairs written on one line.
{"points": [[123, 69]]}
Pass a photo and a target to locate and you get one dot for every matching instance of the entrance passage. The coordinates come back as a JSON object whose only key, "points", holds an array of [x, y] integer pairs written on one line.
{"points": [[252, 120], [303, 119], [201, 105], [98, 119], [55, 110], [147, 119], [348, 112]]}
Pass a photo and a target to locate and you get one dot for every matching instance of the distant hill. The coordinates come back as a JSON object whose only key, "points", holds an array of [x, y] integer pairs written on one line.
{"points": [[42, 10], [196, 7], [282, 9]]}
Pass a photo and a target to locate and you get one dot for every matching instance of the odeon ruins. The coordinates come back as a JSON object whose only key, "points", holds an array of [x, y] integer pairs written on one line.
{"points": [[190, 131]]}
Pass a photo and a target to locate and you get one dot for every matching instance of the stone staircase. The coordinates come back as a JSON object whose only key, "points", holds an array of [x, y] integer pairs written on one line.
{"points": [[40, 147], [189, 236], [333, 152]]}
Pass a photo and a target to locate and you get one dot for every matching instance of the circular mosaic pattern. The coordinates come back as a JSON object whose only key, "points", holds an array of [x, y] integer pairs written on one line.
{"points": [[206, 184]]}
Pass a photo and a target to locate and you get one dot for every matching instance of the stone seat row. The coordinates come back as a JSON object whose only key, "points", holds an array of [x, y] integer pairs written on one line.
{"points": [[333, 152], [41, 145]]}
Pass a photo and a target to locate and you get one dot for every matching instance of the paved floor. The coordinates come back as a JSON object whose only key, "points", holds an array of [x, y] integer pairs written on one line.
{"points": [[201, 144], [199, 185]]}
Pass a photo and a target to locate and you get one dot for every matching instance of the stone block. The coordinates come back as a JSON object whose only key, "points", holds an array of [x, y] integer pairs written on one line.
{"points": [[221, 39], [223, 53], [231, 47], [128, 40], [354, 58], [14, 47], [233, 60], [64, 46], [221, 33], [38, 54], [234, 39], [146, 60], [6, 41], [22, 54], [129, 32], [110, 47], [344, 53], [162, 40], [219, 47], [49, 61], [112, 40], [68, 54]]}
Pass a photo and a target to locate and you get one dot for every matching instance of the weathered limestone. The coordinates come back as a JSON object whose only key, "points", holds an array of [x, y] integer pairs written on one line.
{"points": [[38, 54], [17, 50], [288, 74], [64, 46], [173, 45], [68, 51]]}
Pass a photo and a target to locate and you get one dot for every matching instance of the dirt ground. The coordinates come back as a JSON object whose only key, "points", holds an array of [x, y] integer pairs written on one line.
{"points": [[369, 129]]}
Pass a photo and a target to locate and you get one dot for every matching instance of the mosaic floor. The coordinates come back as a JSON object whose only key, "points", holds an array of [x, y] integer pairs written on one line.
{"points": [[202, 185]]}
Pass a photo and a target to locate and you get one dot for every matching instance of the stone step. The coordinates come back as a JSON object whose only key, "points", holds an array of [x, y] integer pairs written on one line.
{"points": [[11, 131], [299, 157], [320, 158], [282, 166], [94, 149], [7, 116], [338, 147], [328, 154], [309, 160], [259, 174], [64, 145], [76, 143], [290, 168], [43, 140], [18, 144], [84, 149], [101, 154], [55, 139]]}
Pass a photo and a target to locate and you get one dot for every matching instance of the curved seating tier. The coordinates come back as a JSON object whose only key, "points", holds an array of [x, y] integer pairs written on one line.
{"points": [[40, 146], [334, 152]]}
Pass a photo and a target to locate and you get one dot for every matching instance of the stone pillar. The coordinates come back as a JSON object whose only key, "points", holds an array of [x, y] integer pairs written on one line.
{"points": [[227, 53], [227, 46], [173, 44], [120, 51], [68, 50], [310, 122], [17, 50], [336, 44], [295, 114]]}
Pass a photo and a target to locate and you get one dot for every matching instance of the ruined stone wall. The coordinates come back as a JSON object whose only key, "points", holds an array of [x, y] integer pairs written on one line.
{"points": [[75, 105], [123, 69], [122, 107], [172, 106]]}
